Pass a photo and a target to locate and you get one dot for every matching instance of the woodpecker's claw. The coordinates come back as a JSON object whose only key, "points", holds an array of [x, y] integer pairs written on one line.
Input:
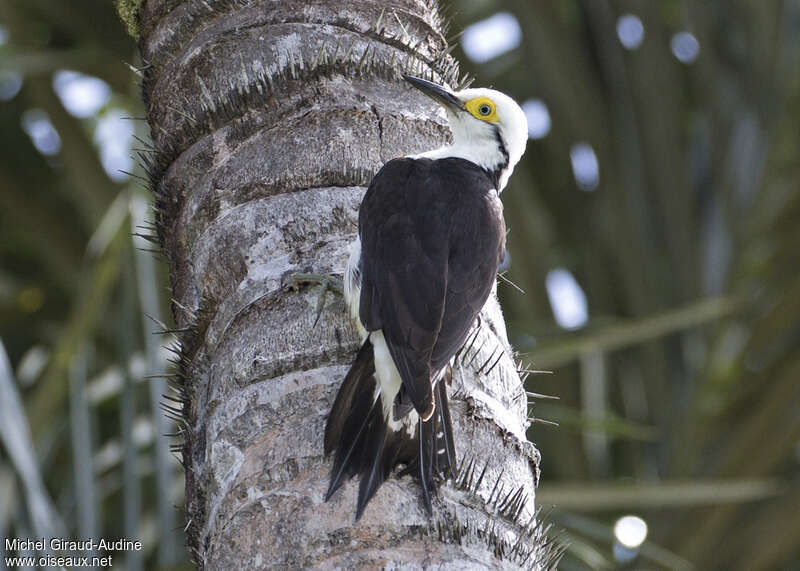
{"points": [[327, 281]]}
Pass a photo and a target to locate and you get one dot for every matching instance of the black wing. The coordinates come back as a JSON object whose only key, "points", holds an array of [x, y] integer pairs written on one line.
{"points": [[432, 237]]}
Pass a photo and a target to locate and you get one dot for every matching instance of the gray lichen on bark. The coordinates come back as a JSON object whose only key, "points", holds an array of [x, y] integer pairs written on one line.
{"points": [[268, 120]]}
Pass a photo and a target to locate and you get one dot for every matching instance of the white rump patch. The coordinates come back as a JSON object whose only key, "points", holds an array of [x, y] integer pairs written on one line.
{"points": [[390, 382]]}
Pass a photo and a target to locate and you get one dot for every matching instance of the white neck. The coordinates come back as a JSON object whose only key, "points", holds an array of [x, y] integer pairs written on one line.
{"points": [[483, 153]]}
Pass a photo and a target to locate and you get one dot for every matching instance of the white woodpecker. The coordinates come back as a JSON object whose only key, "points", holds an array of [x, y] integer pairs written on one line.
{"points": [[431, 236]]}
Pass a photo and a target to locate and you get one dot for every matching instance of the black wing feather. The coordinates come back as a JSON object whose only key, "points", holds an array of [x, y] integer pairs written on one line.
{"points": [[432, 237]]}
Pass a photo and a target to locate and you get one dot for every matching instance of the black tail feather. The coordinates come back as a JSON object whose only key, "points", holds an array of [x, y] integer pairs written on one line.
{"points": [[444, 445], [425, 461], [374, 476], [380, 457], [348, 422], [360, 371], [349, 455], [365, 445]]}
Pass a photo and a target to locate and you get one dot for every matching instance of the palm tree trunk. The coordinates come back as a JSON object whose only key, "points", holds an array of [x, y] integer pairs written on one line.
{"points": [[268, 121]]}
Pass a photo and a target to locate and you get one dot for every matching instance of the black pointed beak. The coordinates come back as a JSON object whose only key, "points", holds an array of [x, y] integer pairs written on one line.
{"points": [[436, 92]]}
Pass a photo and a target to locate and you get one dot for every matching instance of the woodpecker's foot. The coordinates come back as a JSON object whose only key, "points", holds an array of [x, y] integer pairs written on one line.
{"points": [[328, 282]]}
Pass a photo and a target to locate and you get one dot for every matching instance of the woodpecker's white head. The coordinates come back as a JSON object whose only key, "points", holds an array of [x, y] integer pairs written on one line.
{"points": [[488, 127]]}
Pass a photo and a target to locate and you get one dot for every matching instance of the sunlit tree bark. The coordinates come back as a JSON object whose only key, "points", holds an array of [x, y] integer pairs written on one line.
{"points": [[268, 121]]}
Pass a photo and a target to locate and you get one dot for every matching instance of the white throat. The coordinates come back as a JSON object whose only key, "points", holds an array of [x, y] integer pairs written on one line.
{"points": [[480, 143], [495, 145]]}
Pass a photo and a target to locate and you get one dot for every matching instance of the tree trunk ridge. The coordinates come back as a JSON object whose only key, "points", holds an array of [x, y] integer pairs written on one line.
{"points": [[268, 121]]}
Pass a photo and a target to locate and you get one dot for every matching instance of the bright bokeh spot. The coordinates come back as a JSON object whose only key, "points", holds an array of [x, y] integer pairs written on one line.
{"points": [[566, 298], [538, 118], [630, 31], [10, 84], [685, 47], [489, 38], [114, 136], [630, 531], [81, 95], [44, 136], [585, 166]]}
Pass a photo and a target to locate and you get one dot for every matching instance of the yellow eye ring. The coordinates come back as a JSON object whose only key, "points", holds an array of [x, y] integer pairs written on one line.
{"points": [[482, 108]]}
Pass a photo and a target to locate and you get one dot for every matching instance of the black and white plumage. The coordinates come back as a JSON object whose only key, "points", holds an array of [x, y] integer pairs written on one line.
{"points": [[431, 236]]}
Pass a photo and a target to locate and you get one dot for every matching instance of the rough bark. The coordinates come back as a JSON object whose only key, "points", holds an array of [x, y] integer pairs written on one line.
{"points": [[268, 120]]}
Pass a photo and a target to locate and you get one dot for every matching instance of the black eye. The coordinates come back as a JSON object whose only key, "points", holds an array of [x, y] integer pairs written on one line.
{"points": [[485, 109]]}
